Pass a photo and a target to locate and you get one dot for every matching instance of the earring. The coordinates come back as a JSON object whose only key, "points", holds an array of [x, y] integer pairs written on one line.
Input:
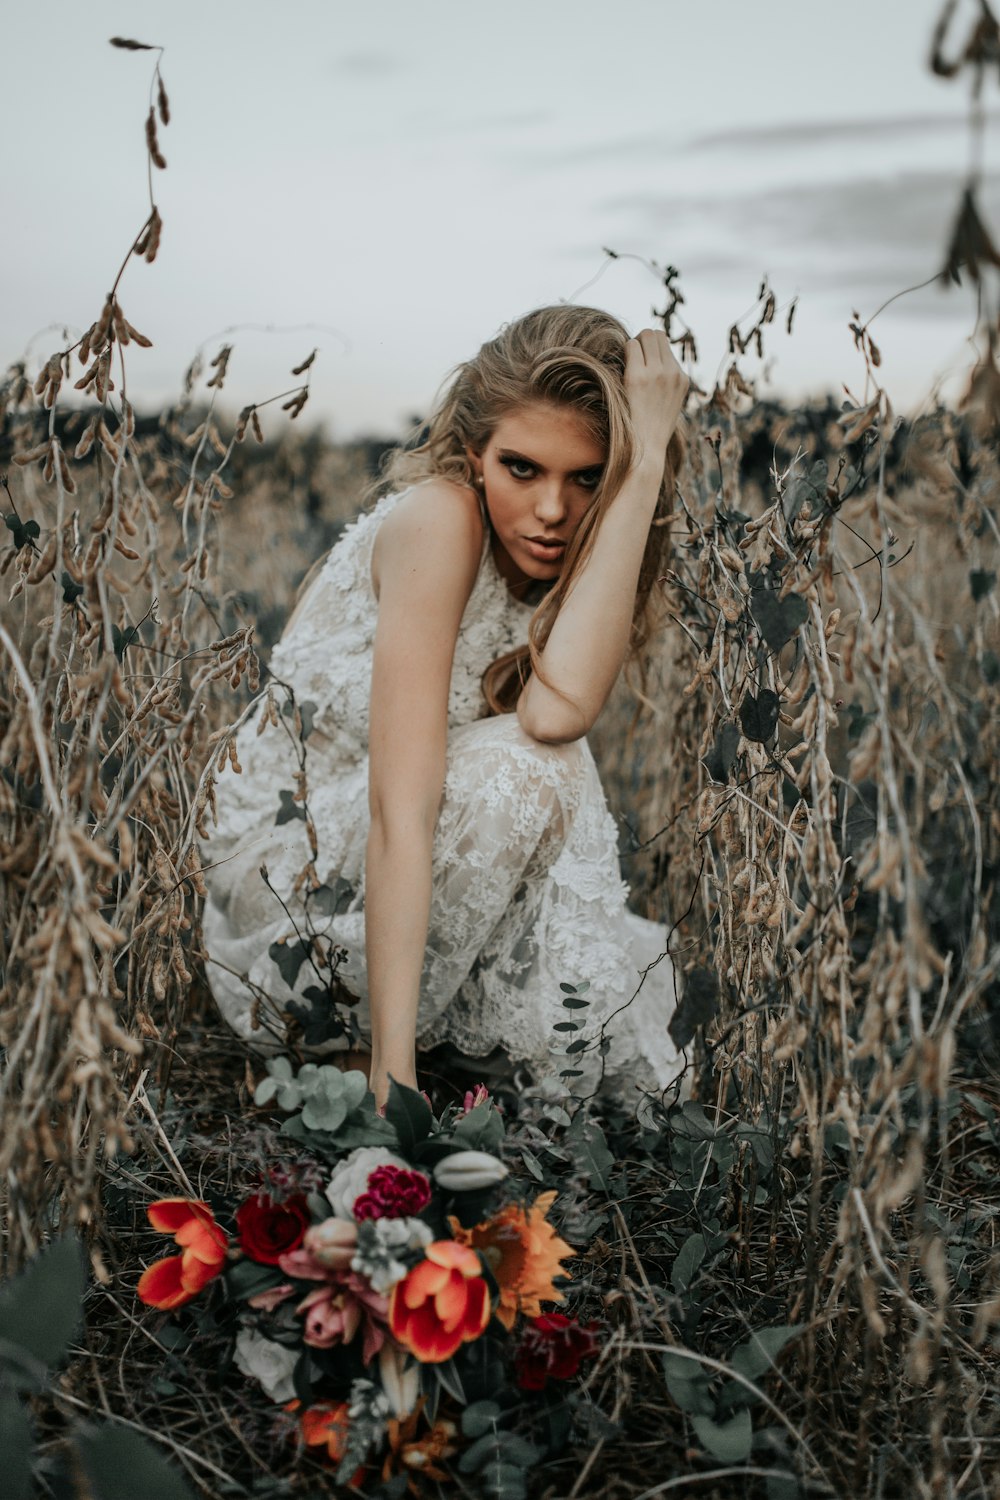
{"points": [[480, 480]]}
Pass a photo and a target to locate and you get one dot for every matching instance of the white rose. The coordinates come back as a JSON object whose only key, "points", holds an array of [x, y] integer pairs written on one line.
{"points": [[270, 1363], [350, 1178]]}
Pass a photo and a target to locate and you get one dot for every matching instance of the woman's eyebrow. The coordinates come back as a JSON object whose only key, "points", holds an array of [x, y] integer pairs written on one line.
{"points": [[524, 459]]}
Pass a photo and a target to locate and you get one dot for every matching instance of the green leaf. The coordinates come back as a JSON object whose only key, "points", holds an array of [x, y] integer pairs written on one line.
{"points": [[689, 1258], [482, 1129], [570, 1003], [479, 1417], [40, 1309], [450, 1379], [590, 1151], [120, 1465], [783, 1487], [761, 1349], [16, 1442], [727, 1441], [778, 619], [697, 1005], [409, 1114], [688, 1383], [759, 716], [246, 1278], [981, 583]]}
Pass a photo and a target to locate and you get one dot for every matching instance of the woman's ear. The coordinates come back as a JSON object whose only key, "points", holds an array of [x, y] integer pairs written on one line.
{"points": [[475, 463]]}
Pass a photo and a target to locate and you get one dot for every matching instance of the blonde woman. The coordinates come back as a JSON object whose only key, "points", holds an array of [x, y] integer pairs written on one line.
{"points": [[456, 646]]}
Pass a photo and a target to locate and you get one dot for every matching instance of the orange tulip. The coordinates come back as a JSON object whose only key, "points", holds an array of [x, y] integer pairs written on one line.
{"points": [[524, 1254], [176, 1279], [442, 1303]]}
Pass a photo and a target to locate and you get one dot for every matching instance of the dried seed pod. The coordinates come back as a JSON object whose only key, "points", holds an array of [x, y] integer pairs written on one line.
{"points": [[220, 364], [301, 369], [163, 103], [255, 423], [68, 482], [152, 143], [137, 337], [86, 442]]}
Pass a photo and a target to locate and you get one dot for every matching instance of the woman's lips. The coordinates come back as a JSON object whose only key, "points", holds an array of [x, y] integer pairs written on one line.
{"points": [[545, 551]]}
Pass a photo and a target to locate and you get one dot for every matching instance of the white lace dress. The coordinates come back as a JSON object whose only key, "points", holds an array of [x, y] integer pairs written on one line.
{"points": [[527, 894]]}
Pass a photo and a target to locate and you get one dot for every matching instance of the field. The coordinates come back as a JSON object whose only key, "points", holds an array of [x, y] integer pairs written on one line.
{"points": [[793, 1269]]}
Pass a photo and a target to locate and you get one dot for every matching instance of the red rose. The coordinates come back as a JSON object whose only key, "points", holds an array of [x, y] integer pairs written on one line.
{"points": [[268, 1229], [553, 1346]]}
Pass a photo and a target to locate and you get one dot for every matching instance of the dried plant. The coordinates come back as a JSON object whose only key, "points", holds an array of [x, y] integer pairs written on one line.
{"points": [[818, 804]]}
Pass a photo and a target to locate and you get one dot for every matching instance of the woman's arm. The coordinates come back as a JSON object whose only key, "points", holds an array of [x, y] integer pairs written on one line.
{"points": [[426, 557], [589, 637]]}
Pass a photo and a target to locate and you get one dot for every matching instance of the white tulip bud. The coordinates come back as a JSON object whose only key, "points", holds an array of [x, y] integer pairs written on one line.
{"points": [[332, 1243], [465, 1171], [400, 1379]]}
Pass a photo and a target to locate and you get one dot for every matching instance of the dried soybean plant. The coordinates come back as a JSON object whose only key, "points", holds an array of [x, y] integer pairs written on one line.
{"points": [[832, 838], [117, 668]]}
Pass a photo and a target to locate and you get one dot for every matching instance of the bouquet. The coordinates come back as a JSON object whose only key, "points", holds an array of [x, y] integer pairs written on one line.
{"points": [[391, 1288]]}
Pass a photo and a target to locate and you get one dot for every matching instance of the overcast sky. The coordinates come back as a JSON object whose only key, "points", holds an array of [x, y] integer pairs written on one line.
{"points": [[392, 181]]}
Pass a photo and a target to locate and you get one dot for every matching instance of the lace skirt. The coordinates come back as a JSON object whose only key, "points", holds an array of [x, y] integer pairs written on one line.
{"points": [[527, 898]]}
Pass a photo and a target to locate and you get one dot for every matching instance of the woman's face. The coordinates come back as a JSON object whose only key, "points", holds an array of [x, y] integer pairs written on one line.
{"points": [[541, 468]]}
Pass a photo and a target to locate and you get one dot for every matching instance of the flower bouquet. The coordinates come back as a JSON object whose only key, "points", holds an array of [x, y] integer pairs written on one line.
{"points": [[390, 1284]]}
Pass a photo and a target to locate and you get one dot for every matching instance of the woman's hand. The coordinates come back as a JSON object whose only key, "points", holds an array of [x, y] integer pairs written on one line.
{"points": [[656, 388]]}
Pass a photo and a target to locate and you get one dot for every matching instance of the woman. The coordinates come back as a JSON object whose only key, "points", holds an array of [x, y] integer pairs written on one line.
{"points": [[455, 647]]}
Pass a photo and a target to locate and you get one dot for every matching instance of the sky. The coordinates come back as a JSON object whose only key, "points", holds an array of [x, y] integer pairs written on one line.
{"points": [[389, 183]]}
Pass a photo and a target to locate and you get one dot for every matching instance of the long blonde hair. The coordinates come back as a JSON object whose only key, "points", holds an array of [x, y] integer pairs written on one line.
{"points": [[562, 356]]}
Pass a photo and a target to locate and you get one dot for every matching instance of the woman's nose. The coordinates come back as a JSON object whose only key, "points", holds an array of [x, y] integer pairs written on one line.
{"points": [[550, 504]]}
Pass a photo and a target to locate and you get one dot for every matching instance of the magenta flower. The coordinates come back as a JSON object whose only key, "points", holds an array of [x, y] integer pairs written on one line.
{"points": [[393, 1193]]}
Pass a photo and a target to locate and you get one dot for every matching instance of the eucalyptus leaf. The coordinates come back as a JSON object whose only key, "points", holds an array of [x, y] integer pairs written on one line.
{"points": [[688, 1383], [753, 1358], [40, 1309], [289, 810], [16, 1443], [479, 1417], [118, 1464], [728, 1441], [689, 1258], [586, 1140]]}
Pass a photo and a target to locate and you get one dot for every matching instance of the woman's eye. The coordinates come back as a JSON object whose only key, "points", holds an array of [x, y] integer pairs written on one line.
{"points": [[589, 479], [519, 467]]}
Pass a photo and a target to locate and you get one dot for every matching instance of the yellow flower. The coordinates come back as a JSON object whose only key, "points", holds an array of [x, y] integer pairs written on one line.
{"points": [[524, 1253]]}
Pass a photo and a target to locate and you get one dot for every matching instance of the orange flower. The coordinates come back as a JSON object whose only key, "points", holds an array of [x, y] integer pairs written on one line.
{"points": [[441, 1303], [524, 1252], [176, 1279], [326, 1426]]}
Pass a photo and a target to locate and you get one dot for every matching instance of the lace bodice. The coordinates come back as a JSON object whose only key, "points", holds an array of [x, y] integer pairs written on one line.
{"points": [[327, 654]]}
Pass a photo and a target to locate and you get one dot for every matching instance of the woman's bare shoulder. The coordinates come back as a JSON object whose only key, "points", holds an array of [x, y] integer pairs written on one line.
{"points": [[437, 522]]}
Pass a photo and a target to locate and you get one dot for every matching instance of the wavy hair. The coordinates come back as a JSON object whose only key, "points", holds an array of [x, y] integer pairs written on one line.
{"points": [[560, 356]]}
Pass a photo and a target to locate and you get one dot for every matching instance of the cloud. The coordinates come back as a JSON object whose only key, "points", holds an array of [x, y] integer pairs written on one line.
{"points": [[820, 132], [664, 146], [368, 62], [867, 236]]}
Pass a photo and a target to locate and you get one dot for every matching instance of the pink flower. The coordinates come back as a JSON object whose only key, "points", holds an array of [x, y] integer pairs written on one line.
{"points": [[393, 1193], [480, 1094], [334, 1313], [336, 1310]]}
